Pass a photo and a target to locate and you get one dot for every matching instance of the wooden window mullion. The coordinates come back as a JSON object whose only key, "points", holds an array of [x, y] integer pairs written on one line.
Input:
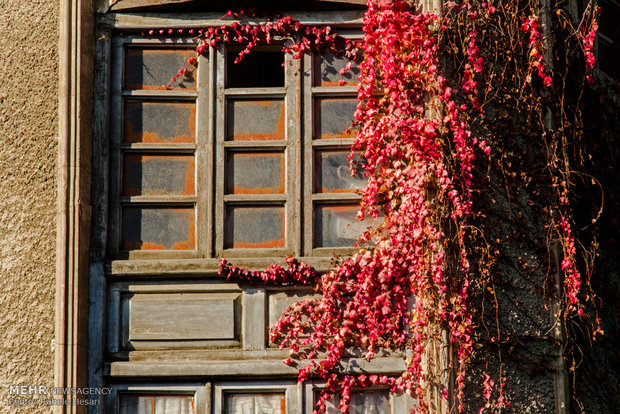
{"points": [[116, 122], [308, 131], [204, 154], [294, 154], [220, 136]]}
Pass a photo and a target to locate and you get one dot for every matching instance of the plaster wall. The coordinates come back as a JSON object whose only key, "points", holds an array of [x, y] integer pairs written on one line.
{"points": [[28, 154]]}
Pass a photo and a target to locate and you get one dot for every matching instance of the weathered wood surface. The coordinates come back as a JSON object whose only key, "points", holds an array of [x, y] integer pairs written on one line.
{"points": [[245, 368], [175, 268], [146, 21], [119, 5], [182, 316]]}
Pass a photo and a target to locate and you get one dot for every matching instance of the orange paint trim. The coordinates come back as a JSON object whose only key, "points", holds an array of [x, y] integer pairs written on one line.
{"points": [[262, 245], [344, 134], [330, 83], [339, 190], [265, 190], [340, 208], [190, 178]]}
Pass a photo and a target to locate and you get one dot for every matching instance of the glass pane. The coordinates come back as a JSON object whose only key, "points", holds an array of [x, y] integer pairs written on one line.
{"points": [[334, 116], [327, 71], [255, 173], [363, 402], [158, 174], [336, 225], [267, 403], [332, 173], [257, 69], [159, 122], [156, 404], [158, 228], [255, 120], [254, 227], [152, 68]]}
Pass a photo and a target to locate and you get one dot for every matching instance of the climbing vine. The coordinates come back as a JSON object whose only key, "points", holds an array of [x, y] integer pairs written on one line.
{"points": [[433, 92]]}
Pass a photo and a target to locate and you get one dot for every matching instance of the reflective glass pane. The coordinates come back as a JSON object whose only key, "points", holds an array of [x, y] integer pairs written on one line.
{"points": [[332, 173], [327, 69], [158, 228], [158, 174], [255, 120], [334, 117], [159, 121], [336, 225], [254, 227], [255, 173], [152, 68]]}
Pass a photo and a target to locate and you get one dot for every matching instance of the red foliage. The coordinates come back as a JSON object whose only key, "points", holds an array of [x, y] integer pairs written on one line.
{"points": [[420, 153]]}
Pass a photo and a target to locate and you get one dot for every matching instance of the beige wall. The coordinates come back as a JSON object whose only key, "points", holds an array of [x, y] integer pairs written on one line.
{"points": [[28, 142]]}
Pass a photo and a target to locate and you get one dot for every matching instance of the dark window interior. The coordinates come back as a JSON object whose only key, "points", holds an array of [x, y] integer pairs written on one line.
{"points": [[257, 69]]}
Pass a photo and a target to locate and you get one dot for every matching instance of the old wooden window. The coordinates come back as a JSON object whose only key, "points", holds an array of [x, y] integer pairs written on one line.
{"points": [[247, 162], [233, 160], [367, 401], [156, 403], [256, 398], [160, 399], [157, 145]]}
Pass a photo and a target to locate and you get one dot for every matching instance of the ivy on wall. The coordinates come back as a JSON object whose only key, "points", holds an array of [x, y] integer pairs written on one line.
{"points": [[432, 90]]}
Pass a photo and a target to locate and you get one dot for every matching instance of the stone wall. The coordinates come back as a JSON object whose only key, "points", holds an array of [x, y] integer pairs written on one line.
{"points": [[28, 142]]}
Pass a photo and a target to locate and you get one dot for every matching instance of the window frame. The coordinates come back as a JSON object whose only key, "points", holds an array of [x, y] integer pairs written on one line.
{"points": [[199, 149], [171, 368], [399, 403], [200, 391], [290, 93], [311, 144], [293, 393], [210, 201]]}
